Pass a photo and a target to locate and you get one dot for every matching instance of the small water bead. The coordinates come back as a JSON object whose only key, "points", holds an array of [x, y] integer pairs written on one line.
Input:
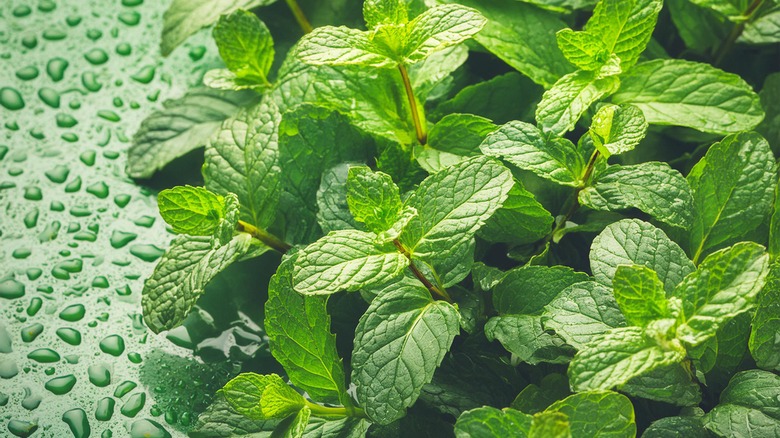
{"points": [[54, 34], [105, 409], [22, 428], [32, 331], [107, 434], [133, 405], [73, 186], [8, 368], [94, 34], [21, 11], [88, 158], [70, 137], [197, 52], [147, 253], [113, 345], [69, 335], [3, 399], [99, 189], [120, 238], [130, 18], [35, 306], [21, 253], [109, 115], [50, 97], [99, 281], [121, 200], [44, 355], [65, 120], [11, 99], [144, 75], [132, 3], [27, 73], [96, 56], [61, 385], [50, 232], [33, 273], [56, 68], [5, 340], [63, 269], [29, 41], [11, 289], [73, 20], [148, 429], [77, 421], [31, 401], [37, 133], [33, 193], [58, 174], [73, 313], [57, 206], [46, 5], [134, 357], [99, 375], [90, 82], [123, 388], [124, 49]]}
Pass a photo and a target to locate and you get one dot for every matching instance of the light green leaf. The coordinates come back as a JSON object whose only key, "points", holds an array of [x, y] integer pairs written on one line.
{"points": [[295, 425], [402, 337], [764, 343], [616, 356], [598, 414], [185, 17], [669, 384], [525, 146], [298, 327], [349, 427], [373, 198], [617, 129], [763, 30], [280, 400], [550, 425], [749, 407], [583, 49], [453, 138], [640, 294], [191, 210], [180, 277], [224, 79], [341, 45], [581, 312], [653, 187], [492, 422], [332, 209], [633, 242], [438, 28], [568, 99], [526, 338], [700, 28], [526, 290], [732, 9], [346, 260], [396, 228], [684, 93], [724, 285], [522, 219], [770, 101], [183, 125], [245, 45], [733, 187], [377, 12], [774, 226], [245, 391], [220, 420], [625, 27], [681, 426], [243, 159]]}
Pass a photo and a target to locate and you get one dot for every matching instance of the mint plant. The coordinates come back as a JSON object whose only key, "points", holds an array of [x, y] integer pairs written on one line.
{"points": [[585, 247]]}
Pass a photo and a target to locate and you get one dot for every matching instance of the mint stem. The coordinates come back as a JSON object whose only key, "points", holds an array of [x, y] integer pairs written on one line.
{"points": [[417, 273], [419, 127], [574, 203], [300, 17], [736, 31], [268, 239], [327, 411]]}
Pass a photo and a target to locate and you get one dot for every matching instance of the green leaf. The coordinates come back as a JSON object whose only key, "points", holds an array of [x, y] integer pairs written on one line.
{"points": [[525, 146], [182, 126], [224, 79], [581, 312], [568, 99], [748, 407], [684, 93], [724, 285], [522, 219], [550, 425], [598, 414], [294, 426], [279, 400], [763, 30], [346, 260], [438, 28], [689, 427], [633, 242], [526, 338], [373, 198], [245, 45], [701, 29], [332, 208], [770, 101], [640, 294], [654, 188], [185, 17], [625, 27], [377, 12], [733, 188], [669, 384], [220, 420], [403, 337], [453, 138], [191, 210], [536, 398], [243, 159], [492, 422], [774, 226], [733, 9], [180, 277], [617, 129], [298, 327], [526, 290], [349, 427], [262, 397], [764, 342], [616, 356], [584, 50], [341, 45]]}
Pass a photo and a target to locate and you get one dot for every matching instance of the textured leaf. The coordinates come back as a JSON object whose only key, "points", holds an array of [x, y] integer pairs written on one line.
{"points": [[220, 420], [764, 342], [536, 398], [701, 29], [615, 357], [224, 79], [688, 427], [183, 125], [298, 327], [724, 285], [633, 242], [763, 30], [280, 400], [438, 28], [377, 12], [180, 277], [581, 312], [525, 146], [243, 159], [669, 384], [640, 294], [598, 414], [346, 260], [617, 129], [373, 198], [526, 290], [733, 188], [522, 219], [453, 138], [191, 210], [262, 397], [341, 45], [295, 425], [748, 407], [583, 49], [525, 337], [332, 208], [691, 94], [185, 17], [492, 422], [402, 337], [245, 45], [770, 101], [625, 27], [733, 9], [654, 188], [550, 425]]}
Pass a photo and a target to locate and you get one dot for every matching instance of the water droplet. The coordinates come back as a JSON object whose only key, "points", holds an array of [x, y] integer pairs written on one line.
{"points": [[11, 99], [21, 11], [88, 158], [31, 401], [96, 56], [134, 357], [27, 73], [54, 34], [100, 281], [21, 253], [105, 409], [58, 174], [130, 18], [73, 20], [121, 200], [31, 332], [148, 429], [99, 189], [11, 289], [56, 68], [46, 5], [133, 405], [120, 238], [65, 120], [44, 355], [61, 385], [50, 97], [99, 375], [76, 419], [147, 253], [33, 193], [69, 335], [73, 186], [73, 313], [123, 49], [29, 41], [5, 340], [109, 115], [22, 428], [90, 82], [123, 388], [8, 368], [31, 218], [113, 345], [145, 75], [197, 52]]}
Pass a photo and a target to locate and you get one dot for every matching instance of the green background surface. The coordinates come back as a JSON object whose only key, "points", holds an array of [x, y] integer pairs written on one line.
{"points": [[78, 238]]}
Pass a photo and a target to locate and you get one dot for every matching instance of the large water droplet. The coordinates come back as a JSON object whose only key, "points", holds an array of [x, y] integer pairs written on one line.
{"points": [[76, 419], [61, 385]]}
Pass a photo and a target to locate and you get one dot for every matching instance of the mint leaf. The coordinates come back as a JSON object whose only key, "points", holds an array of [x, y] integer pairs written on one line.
{"points": [[687, 426], [581, 312], [185, 17], [182, 126], [763, 30], [583, 49], [262, 397], [724, 285], [640, 295], [224, 79], [438, 28], [341, 45], [625, 27], [295, 425], [617, 129], [684, 93], [349, 427], [748, 406], [732, 191], [550, 425], [191, 210], [603, 414], [221, 420], [346, 260], [614, 357], [732, 9], [633, 242], [525, 146], [669, 384], [527, 339], [298, 327], [373, 198], [243, 159], [536, 398], [245, 45], [766, 322], [279, 400], [453, 138], [377, 12], [332, 208], [654, 188], [568, 99], [180, 277], [526, 290], [403, 337], [489, 422], [522, 219]]}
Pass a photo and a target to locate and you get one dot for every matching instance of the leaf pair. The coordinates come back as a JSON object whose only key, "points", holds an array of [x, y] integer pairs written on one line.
{"points": [[247, 48]]}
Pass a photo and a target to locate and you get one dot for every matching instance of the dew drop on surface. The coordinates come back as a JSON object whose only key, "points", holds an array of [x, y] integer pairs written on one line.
{"points": [[11, 289], [133, 405], [61, 385], [32, 331], [105, 409], [99, 375], [148, 429], [11, 99], [113, 345], [44, 355], [69, 335], [22, 428], [77, 421], [73, 313], [123, 388]]}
